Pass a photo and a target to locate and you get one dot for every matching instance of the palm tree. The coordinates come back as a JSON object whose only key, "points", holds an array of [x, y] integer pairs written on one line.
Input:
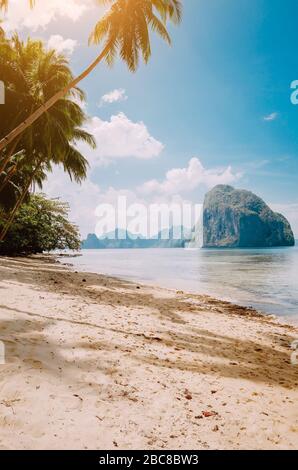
{"points": [[125, 29], [33, 74]]}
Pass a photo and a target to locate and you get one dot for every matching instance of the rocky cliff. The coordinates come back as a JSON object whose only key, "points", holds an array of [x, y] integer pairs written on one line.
{"points": [[238, 218]]}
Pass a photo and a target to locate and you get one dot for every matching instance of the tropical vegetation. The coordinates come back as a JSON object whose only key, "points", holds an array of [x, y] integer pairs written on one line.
{"points": [[124, 30], [42, 120], [31, 74], [41, 225]]}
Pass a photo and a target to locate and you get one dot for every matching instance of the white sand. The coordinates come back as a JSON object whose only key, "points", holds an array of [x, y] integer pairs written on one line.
{"points": [[103, 364]]}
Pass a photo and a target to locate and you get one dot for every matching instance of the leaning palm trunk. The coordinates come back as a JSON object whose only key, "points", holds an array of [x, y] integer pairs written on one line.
{"points": [[125, 29], [19, 203], [46, 106]]}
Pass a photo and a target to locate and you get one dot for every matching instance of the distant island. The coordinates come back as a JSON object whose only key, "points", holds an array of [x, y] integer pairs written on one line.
{"points": [[123, 239], [234, 218]]}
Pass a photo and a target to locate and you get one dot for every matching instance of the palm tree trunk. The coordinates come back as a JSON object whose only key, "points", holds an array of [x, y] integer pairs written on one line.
{"points": [[46, 106], [18, 203]]}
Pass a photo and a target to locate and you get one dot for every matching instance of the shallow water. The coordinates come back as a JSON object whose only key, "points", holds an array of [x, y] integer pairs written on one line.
{"points": [[266, 279]]}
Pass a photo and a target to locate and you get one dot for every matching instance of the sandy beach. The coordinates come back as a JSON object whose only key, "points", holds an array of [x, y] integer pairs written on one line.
{"points": [[99, 363]]}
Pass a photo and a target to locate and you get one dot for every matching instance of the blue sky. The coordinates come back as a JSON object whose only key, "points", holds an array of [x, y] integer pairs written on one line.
{"points": [[219, 96]]}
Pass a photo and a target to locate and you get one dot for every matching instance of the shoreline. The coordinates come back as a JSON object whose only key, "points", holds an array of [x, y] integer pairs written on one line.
{"points": [[99, 362], [154, 285], [283, 319]]}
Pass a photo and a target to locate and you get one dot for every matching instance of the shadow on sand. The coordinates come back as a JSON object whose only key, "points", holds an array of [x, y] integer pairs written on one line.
{"points": [[197, 350]]}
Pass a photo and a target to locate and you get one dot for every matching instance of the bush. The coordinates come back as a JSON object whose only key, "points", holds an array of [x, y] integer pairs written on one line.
{"points": [[41, 225]]}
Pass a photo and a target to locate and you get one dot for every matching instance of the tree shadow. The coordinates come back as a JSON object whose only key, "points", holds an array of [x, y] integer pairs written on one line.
{"points": [[196, 350]]}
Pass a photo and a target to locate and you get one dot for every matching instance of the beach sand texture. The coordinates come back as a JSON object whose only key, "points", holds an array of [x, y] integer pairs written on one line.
{"points": [[99, 363]]}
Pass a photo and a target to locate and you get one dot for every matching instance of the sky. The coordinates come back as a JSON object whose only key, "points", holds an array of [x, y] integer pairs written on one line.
{"points": [[214, 108]]}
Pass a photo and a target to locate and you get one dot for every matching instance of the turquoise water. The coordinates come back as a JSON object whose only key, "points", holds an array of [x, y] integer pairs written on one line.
{"points": [[266, 279]]}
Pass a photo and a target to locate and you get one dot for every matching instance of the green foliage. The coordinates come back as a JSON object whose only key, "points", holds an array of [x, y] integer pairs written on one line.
{"points": [[32, 74], [41, 225], [125, 28]]}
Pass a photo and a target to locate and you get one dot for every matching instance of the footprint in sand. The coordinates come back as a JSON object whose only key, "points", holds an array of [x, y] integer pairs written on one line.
{"points": [[33, 363]]}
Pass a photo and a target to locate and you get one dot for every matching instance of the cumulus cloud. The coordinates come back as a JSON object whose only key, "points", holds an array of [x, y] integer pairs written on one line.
{"points": [[120, 138], [82, 198], [62, 45], [117, 138], [179, 180], [88, 207], [113, 96], [86, 198], [19, 16], [270, 117]]}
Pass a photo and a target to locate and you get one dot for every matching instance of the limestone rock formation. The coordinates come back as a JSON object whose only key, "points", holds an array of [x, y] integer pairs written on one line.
{"points": [[234, 218]]}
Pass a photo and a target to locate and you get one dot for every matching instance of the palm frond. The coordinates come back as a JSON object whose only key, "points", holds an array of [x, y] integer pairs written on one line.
{"points": [[125, 28]]}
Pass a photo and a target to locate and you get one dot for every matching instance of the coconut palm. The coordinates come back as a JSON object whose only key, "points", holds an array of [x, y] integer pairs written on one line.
{"points": [[32, 75], [124, 30]]}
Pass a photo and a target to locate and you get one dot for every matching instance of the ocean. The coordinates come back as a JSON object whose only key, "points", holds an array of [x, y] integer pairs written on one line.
{"points": [[266, 279]]}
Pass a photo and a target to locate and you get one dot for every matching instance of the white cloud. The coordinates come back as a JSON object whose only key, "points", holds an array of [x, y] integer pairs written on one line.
{"points": [[120, 138], [113, 97], [117, 138], [19, 16], [270, 117], [187, 179], [62, 45], [82, 198], [82, 104]]}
